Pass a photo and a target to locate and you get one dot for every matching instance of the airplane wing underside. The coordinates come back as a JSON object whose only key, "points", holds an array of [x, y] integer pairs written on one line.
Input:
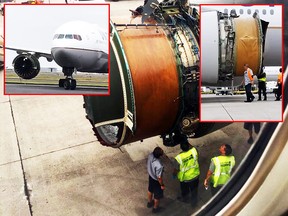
{"points": [[46, 55]]}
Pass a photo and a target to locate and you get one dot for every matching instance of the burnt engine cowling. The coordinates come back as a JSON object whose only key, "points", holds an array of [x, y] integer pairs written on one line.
{"points": [[154, 80], [26, 66]]}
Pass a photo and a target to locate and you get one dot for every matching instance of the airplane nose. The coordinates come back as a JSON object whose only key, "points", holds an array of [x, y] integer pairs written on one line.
{"points": [[65, 57], [81, 59]]}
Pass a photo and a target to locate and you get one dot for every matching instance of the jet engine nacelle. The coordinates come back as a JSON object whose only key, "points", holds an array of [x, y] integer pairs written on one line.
{"points": [[154, 82], [26, 66]]}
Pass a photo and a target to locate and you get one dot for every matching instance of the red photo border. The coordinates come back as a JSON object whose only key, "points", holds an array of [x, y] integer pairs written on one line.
{"points": [[283, 45], [60, 5]]}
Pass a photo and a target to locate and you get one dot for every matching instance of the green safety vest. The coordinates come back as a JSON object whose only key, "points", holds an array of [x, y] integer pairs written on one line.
{"points": [[223, 168], [189, 167]]}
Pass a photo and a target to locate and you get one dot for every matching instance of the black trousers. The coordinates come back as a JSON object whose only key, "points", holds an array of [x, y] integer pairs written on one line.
{"points": [[190, 187], [249, 94], [250, 125], [214, 190], [279, 91], [262, 87]]}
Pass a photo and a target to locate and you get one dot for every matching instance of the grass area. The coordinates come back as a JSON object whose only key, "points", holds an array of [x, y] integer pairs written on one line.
{"points": [[52, 78]]}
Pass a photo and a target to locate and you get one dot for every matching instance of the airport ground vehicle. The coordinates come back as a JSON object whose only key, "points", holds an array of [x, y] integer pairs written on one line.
{"points": [[223, 90]]}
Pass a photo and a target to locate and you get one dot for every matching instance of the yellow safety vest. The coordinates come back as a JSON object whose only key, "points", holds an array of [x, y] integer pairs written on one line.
{"points": [[189, 167], [223, 168], [263, 79]]}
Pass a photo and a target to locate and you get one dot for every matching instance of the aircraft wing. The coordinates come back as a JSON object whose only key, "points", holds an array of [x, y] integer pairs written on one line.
{"points": [[47, 55]]}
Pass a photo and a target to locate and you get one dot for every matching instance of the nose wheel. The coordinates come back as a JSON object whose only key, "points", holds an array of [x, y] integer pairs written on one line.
{"points": [[68, 83]]}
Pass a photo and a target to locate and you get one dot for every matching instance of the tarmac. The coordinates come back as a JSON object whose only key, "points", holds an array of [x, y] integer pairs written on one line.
{"points": [[233, 108], [48, 148]]}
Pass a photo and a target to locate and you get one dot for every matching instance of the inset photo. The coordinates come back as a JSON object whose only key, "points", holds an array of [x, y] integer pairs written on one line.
{"points": [[56, 49], [241, 62]]}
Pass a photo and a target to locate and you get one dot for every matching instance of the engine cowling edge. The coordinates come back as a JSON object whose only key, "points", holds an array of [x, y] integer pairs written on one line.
{"points": [[26, 66]]}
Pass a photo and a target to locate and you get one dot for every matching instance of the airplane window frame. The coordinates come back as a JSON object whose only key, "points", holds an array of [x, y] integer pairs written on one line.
{"points": [[239, 178], [249, 11], [241, 11], [271, 12], [264, 12]]}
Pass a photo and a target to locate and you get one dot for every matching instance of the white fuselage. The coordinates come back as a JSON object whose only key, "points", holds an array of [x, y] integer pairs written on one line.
{"points": [[271, 14], [82, 46], [272, 55]]}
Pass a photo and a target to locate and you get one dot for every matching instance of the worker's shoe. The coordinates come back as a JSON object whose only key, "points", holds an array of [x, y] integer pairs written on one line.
{"points": [[252, 98], [265, 99], [150, 204], [259, 99], [248, 101], [156, 210], [250, 140], [183, 199]]}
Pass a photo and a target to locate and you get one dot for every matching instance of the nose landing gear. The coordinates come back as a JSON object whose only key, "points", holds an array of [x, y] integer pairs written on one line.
{"points": [[68, 83]]}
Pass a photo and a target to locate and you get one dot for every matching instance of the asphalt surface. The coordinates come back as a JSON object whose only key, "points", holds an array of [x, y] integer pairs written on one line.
{"points": [[51, 163], [233, 108], [31, 89]]}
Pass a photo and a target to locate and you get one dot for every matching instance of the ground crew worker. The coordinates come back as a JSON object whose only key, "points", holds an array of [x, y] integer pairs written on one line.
{"points": [[187, 171], [156, 186], [262, 85], [248, 81], [220, 169], [279, 84]]}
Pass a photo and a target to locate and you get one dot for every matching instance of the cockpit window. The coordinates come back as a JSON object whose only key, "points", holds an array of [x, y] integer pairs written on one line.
{"points": [[77, 37], [68, 36], [61, 36]]}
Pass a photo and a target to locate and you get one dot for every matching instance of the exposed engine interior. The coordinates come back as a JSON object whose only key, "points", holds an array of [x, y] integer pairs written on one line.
{"points": [[157, 91]]}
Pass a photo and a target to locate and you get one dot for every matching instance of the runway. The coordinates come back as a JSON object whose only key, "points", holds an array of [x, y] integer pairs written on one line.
{"points": [[31, 89], [233, 108]]}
